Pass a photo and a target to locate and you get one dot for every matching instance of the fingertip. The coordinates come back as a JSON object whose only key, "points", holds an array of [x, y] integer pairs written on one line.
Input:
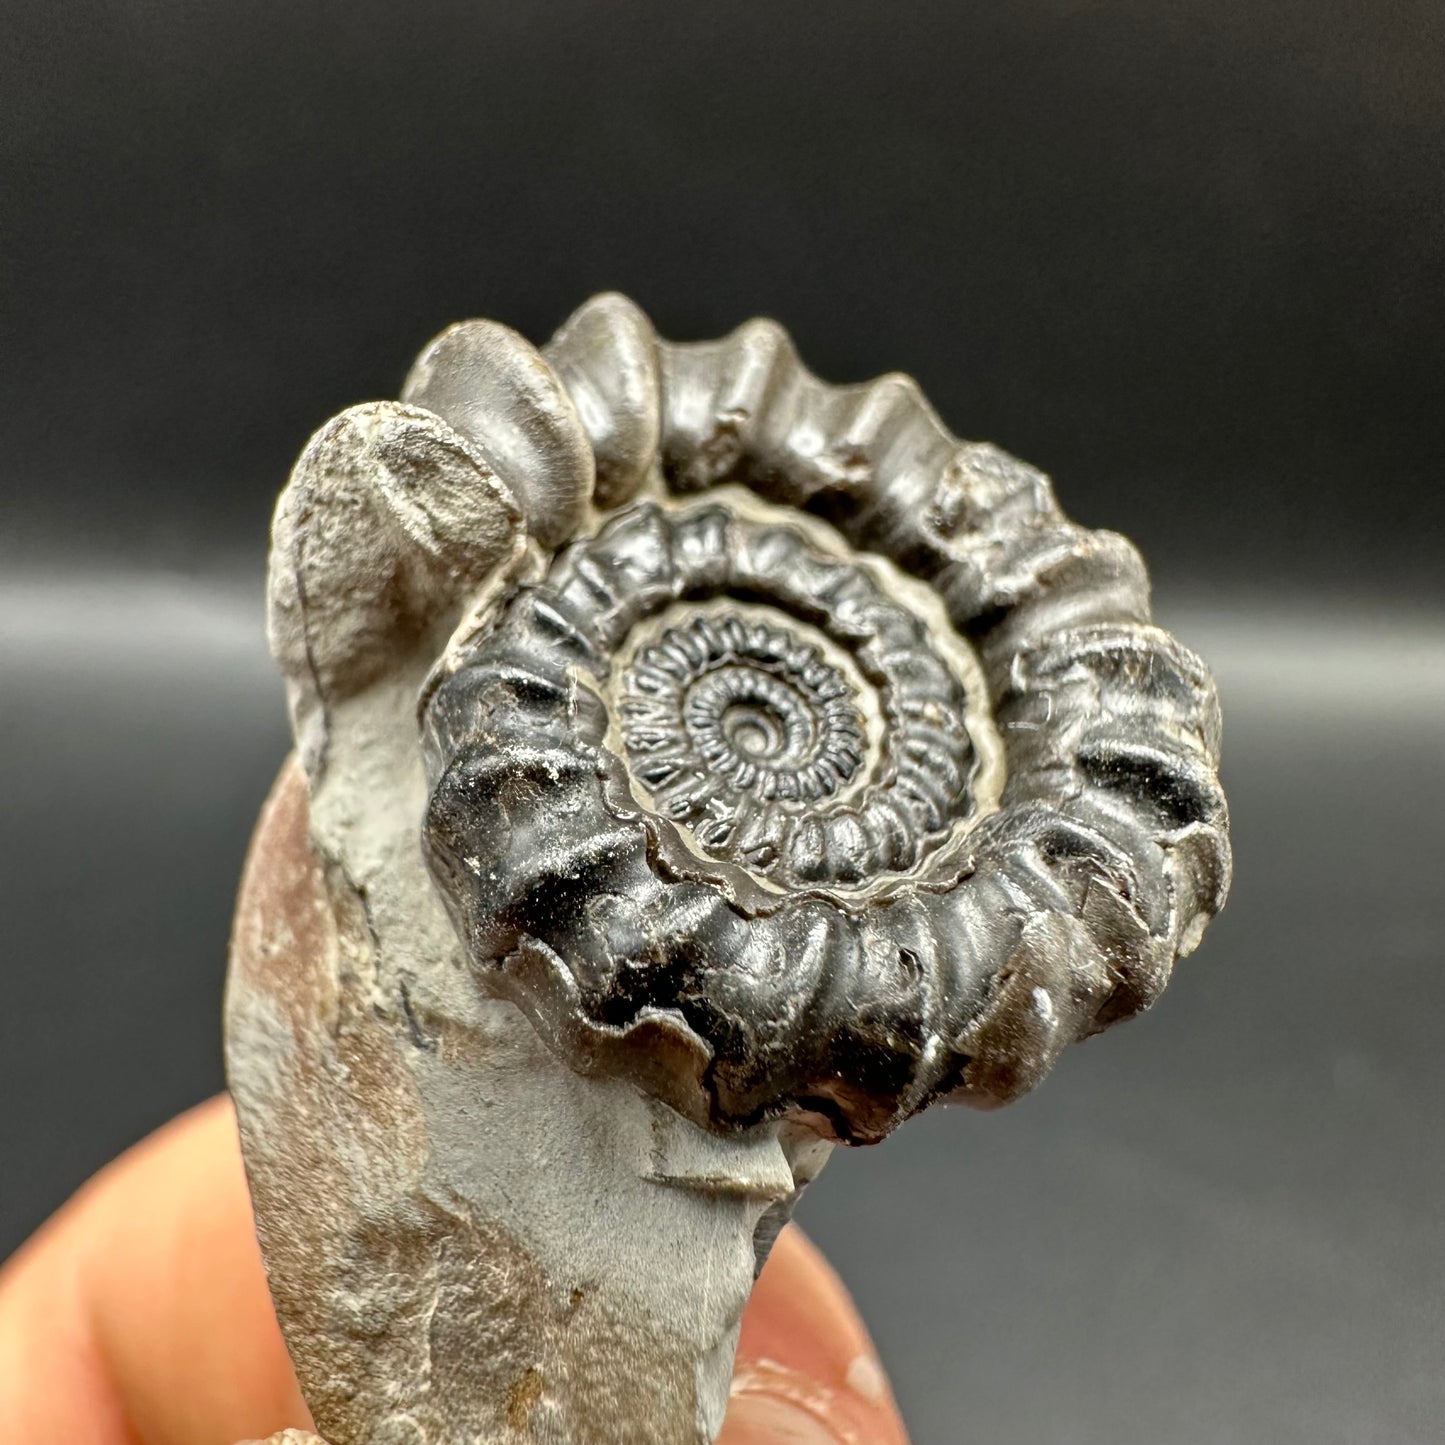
{"points": [[807, 1371]]}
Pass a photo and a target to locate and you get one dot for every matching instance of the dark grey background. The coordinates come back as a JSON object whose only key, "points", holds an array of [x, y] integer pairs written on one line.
{"points": [[1190, 257]]}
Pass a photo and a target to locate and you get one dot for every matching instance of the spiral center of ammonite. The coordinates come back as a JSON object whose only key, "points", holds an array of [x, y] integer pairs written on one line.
{"points": [[749, 706], [755, 729]]}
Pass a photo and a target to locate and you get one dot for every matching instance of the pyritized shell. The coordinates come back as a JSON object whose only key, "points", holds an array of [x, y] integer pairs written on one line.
{"points": [[837, 750]]}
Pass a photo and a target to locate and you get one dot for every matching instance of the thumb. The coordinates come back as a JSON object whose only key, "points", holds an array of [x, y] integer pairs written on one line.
{"points": [[807, 1372]]}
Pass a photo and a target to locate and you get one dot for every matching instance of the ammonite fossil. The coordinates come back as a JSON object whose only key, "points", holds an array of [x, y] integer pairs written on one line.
{"points": [[781, 759]]}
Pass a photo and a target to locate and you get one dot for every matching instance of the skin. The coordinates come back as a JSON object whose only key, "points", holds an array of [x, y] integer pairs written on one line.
{"points": [[139, 1315]]}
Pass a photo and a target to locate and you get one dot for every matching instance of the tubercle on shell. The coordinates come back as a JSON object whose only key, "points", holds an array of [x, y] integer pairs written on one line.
{"points": [[1026, 923]]}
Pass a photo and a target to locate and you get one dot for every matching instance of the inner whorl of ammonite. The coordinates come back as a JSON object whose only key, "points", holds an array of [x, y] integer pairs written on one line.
{"points": [[738, 723], [777, 701]]}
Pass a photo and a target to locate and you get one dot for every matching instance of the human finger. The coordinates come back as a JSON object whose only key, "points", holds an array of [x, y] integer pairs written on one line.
{"points": [[140, 1312]]}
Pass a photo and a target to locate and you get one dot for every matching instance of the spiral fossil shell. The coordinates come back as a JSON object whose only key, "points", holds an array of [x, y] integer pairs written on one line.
{"points": [[827, 767], [674, 729]]}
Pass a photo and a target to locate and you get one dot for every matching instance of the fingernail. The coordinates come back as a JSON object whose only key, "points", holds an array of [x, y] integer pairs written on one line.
{"points": [[866, 1379], [763, 1420], [287, 1437]]}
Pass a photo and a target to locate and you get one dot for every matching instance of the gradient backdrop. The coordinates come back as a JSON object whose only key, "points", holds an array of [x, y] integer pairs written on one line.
{"points": [[1189, 257]]}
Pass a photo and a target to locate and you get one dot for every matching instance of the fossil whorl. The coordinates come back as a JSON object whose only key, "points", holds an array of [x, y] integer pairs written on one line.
{"points": [[824, 765]]}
